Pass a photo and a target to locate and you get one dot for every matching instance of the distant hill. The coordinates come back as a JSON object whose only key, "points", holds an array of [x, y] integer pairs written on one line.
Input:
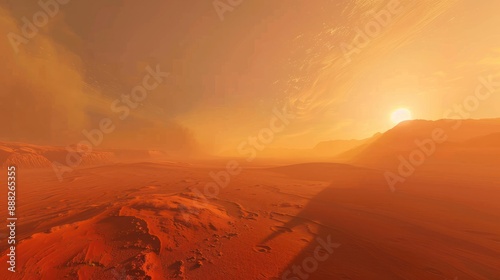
{"points": [[336, 148], [491, 140], [35, 156], [332, 150], [471, 135], [352, 153]]}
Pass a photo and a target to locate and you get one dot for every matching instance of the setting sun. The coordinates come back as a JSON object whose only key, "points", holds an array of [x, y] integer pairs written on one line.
{"points": [[401, 115]]}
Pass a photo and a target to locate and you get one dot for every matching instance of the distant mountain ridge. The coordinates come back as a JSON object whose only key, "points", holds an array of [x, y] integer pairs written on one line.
{"points": [[335, 148], [466, 135], [33, 156]]}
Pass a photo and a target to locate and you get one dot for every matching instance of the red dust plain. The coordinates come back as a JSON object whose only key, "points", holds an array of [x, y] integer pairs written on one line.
{"points": [[155, 219]]}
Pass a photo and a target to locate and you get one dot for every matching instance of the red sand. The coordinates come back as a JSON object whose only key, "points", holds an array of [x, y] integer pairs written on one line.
{"points": [[147, 220], [118, 220]]}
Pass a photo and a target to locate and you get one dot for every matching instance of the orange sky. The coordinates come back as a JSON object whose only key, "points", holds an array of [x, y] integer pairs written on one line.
{"points": [[226, 76]]}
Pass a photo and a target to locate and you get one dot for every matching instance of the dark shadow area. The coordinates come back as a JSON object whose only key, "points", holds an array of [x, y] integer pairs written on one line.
{"points": [[363, 233]]}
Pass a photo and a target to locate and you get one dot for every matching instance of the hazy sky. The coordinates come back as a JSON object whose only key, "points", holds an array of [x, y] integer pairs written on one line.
{"points": [[228, 73]]}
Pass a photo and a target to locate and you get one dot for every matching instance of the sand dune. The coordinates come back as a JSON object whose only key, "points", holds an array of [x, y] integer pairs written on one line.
{"points": [[148, 221]]}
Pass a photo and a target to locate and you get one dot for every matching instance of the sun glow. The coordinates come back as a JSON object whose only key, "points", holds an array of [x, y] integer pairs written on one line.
{"points": [[400, 115]]}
